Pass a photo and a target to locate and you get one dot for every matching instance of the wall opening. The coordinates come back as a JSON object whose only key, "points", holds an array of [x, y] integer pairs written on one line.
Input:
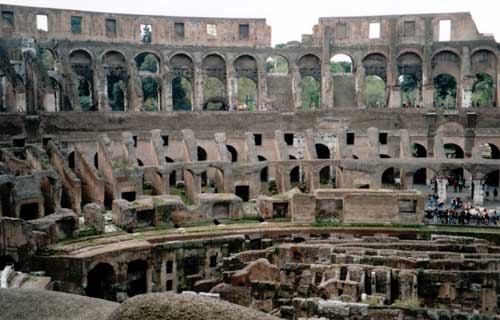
{"points": [[100, 282], [243, 192], [146, 33], [29, 211], [42, 23], [136, 277], [182, 94], [129, 196], [445, 91], [444, 30]]}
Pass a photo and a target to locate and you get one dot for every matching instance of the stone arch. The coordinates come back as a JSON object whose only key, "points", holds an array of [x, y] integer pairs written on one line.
{"points": [[342, 63], [322, 151], [375, 93], [375, 64], [484, 60], [391, 177], [418, 151], [148, 62], [423, 176], [81, 62], [410, 78], [182, 69], [246, 70], [100, 282], [52, 99], [446, 61], [47, 57], [201, 154], [115, 65], [326, 177], [489, 151], [232, 151], [454, 151], [483, 90], [310, 73], [277, 65], [492, 179], [294, 176], [445, 91], [136, 277], [215, 77]]}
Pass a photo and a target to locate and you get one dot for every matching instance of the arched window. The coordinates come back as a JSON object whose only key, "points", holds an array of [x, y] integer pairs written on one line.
{"points": [[341, 64], [277, 65]]}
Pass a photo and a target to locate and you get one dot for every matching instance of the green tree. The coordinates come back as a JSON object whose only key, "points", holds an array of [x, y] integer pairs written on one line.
{"points": [[482, 91], [340, 67], [150, 92], [181, 94], [150, 63], [146, 34], [310, 92], [374, 92], [445, 91]]}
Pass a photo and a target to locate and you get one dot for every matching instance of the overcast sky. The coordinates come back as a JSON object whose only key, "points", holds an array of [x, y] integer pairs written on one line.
{"points": [[289, 19]]}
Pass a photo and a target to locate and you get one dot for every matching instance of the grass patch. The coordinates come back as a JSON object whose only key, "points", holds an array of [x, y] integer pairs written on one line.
{"points": [[181, 193], [413, 303]]}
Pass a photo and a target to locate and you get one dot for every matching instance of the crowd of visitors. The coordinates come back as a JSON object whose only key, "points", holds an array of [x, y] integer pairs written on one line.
{"points": [[459, 212]]}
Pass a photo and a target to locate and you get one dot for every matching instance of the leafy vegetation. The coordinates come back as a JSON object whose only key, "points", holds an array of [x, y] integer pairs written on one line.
{"points": [[340, 67], [150, 89], [310, 93], [374, 92], [276, 65], [483, 91], [181, 94], [445, 91]]}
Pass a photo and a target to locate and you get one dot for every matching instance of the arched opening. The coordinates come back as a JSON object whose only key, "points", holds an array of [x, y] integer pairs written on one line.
{"points": [[277, 65], [182, 82], [172, 178], [410, 79], [445, 91], [420, 177], [215, 95], [384, 156], [264, 172], [7, 261], [341, 64], [100, 282], [311, 93], [310, 72], [81, 64], [489, 151], [391, 178], [492, 179], [96, 160], [446, 69], [484, 65], [116, 92], [247, 94], [47, 58], [233, 152], [71, 160], [136, 277], [246, 70], [147, 62], [322, 151], [294, 177], [483, 91], [52, 100], [453, 151], [202, 154], [182, 94], [115, 65], [326, 177], [151, 90], [418, 151], [292, 157], [374, 92]]}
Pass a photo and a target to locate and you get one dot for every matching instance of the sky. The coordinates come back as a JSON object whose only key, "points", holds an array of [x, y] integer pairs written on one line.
{"points": [[289, 19]]}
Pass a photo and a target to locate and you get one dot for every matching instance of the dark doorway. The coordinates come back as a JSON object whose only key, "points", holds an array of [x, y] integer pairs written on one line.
{"points": [[100, 282], [29, 211], [243, 192], [420, 177], [136, 277], [129, 196]]}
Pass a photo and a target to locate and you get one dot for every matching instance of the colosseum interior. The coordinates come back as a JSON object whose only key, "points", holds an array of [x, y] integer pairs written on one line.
{"points": [[153, 154]]}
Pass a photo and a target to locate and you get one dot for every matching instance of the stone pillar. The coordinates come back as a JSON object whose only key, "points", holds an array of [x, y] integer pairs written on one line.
{"points": [[326, 76], [360, 85], [232, 86], [166, 94], [373, 143], [261, 85], [198, 82], [296, 86], [478, 198], [441, 188], [427, 82], [395, 97]]}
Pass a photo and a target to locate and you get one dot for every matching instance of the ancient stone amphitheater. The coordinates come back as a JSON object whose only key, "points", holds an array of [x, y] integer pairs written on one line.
{"points": [[186, 169]]}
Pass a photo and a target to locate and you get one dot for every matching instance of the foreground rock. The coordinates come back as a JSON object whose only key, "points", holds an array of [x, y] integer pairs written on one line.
{"points": [[27, 304], [169, 306]]}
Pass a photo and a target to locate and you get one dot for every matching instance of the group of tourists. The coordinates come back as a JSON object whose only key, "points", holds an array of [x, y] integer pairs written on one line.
{"points": [[459, 213]]}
